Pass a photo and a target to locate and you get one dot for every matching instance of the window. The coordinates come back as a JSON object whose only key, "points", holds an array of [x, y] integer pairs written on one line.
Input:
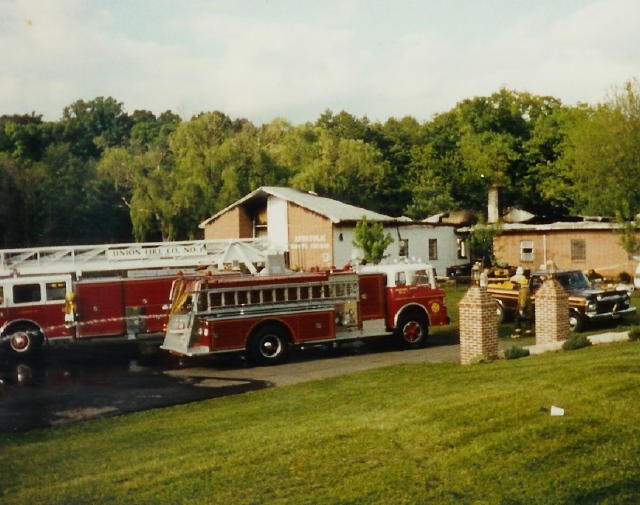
{"points": [[578, 250], [462, 249], [526, 250], [55, 290], [25, 293], [401, 279], [433, 249], [404, 247]]}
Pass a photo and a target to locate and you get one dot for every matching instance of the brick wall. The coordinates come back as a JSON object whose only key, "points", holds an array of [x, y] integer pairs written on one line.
{"points": [[235, 223], [552, 313], [603, 251], [310, 239], [478, 326]]}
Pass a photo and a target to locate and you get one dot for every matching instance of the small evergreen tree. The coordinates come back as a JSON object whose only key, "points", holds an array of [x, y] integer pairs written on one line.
{"points": [[370, 237]]}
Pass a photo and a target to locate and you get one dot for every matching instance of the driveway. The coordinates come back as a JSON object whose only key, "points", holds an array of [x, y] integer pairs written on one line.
{"points": [[80, 383]]}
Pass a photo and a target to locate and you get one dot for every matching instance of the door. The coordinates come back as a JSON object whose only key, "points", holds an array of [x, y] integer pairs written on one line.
{"points": [[100, 308]]}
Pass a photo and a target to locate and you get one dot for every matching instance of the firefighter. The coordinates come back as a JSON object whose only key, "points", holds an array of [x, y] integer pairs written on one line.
{"points": [[519, 277], [523, 312]]}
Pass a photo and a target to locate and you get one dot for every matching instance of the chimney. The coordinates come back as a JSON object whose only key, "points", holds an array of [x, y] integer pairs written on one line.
{"points": [[493, 205]]}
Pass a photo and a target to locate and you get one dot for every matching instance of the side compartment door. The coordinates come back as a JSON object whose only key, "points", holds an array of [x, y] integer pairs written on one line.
{"points": [[372, 305], [100, 309], [144, 300]]}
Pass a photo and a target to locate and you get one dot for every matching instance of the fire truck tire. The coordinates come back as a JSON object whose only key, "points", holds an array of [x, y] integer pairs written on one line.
{"points": [[413, 329], [24, 340], [269, 345]]}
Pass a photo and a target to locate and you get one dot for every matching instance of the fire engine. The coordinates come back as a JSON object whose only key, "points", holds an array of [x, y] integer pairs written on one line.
{"points": [[265, 315], [106, 292]]}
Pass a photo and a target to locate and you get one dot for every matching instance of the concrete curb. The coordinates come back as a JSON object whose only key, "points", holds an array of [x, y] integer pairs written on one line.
{"points": [[603, 338]]}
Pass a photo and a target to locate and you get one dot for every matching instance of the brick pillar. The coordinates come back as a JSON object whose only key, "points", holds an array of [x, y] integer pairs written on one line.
{"points": [[552, 312], [478, 326]]}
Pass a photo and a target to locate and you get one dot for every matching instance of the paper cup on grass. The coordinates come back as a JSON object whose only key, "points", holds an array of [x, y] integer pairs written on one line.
{"points": [[556, 411]]}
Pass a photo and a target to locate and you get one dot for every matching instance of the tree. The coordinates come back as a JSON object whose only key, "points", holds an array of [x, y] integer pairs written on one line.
{"points": [[143, 175], [370, 237], [345, 169], [481, 139], [90, 127], [602, 150]]}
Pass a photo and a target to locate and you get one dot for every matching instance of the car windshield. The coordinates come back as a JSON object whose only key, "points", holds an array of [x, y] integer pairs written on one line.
{"points": [[573, 280]]}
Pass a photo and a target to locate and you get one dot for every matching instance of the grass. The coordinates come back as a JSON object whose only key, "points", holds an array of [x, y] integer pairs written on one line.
{"points": [[410, 434]]}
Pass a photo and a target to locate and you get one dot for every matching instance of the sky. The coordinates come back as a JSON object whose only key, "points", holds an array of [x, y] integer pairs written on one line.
{"points": [[293, 59]]}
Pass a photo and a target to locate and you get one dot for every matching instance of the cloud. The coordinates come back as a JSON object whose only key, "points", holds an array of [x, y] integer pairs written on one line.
{"points": [[295, 66]]}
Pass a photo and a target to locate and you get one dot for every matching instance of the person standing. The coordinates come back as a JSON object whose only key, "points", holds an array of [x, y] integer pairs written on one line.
{"points": [[523, 312]]}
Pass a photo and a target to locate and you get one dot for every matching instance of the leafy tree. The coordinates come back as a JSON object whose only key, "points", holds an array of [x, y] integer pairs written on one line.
{"points": [[481, 139], [348, 170], [431, 188], [371, 238], [142, 173], [602, 150], [92, 126], [481, 242]]}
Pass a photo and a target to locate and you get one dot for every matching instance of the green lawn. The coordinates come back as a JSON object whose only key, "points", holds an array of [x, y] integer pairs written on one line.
{"points": [[413, 434]]}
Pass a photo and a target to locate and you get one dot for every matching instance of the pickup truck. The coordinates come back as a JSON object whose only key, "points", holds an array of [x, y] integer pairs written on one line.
{"points": [[586, 303]]}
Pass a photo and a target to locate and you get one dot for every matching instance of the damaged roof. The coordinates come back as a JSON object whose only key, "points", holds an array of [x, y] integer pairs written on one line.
{"points": [[334, 210]]}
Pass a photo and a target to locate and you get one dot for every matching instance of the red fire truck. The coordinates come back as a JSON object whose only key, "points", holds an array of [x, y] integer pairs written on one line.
{"points": [[264, 315], [117, 291]]}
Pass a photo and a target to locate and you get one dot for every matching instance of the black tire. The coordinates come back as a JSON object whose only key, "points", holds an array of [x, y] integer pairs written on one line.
{"points": [[24, 340], [269, 345], [412, 329], [576, 322]]}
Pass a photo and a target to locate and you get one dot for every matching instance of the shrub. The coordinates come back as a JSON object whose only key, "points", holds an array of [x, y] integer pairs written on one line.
{"points": [[576, 342], [515, 352], [634, 333]]}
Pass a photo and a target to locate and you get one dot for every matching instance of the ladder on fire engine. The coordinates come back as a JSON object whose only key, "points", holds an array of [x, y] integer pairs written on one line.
{"points": [[284, 297], [80, 260]]}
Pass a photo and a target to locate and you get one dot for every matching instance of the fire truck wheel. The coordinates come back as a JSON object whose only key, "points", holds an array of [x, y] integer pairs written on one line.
{"points": [[413, 330], [24, 340], [268, 345]]}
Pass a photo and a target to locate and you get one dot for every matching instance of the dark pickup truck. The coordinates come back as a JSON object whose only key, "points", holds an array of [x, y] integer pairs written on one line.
{"points": [[586, 303]]}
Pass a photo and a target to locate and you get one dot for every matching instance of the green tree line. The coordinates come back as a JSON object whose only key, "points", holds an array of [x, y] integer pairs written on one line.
{"points": [[102, 175]]}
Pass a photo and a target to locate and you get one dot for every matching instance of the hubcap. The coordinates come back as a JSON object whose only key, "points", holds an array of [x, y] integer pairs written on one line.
{"points": [[19, 341], [271, 347], [412, 332]]}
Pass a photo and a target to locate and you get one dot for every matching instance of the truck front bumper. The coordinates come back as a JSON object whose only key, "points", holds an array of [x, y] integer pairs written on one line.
{"points": [[611, 315]]}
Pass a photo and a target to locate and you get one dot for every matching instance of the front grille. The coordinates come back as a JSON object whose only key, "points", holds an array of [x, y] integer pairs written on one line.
{"points": [[611, 305]]}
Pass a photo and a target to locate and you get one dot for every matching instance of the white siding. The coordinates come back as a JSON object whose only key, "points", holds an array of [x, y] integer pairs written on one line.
{"points": [[278, 224], [418, 236]]}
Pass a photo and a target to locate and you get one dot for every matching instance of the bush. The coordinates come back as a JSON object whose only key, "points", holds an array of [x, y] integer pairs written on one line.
{"points": [[515, 352], [576, 342], [634, 333]]}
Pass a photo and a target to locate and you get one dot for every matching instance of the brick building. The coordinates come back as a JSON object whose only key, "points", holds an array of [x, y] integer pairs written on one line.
{"points": [[315, 231], [579, 245]]}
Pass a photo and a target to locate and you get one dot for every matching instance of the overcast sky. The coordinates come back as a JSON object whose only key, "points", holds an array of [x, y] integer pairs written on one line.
{"points": [[262, 59]]}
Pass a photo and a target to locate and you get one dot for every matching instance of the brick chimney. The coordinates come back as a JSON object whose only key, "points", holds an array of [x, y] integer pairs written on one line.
{"points": [[493, 205]]}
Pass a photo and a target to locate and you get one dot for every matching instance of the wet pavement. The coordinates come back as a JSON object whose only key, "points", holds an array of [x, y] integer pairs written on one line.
{"points": [[66, 385], [82, 382]]}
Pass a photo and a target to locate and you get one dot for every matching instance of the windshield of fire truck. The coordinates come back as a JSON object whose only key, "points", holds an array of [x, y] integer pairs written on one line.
{"points": [[423, 277]]}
